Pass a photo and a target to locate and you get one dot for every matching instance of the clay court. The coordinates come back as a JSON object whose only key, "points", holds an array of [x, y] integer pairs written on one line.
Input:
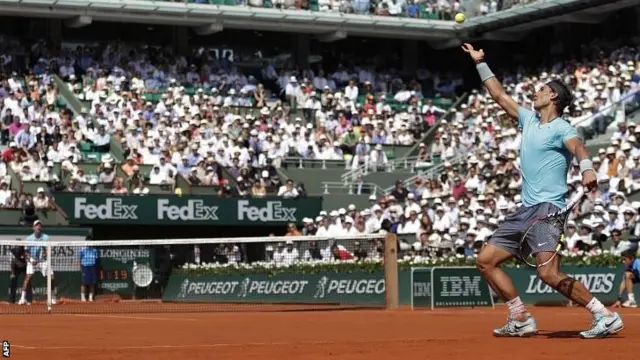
{"points": [[344, 334]]}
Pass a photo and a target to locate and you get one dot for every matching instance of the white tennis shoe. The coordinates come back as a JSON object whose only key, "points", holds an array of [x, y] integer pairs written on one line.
{"points": [[603, 326], [515, 328], [629, 304]]}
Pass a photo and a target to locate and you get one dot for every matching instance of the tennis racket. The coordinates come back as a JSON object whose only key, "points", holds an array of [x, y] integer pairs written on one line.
{"points": [[551, 227]]}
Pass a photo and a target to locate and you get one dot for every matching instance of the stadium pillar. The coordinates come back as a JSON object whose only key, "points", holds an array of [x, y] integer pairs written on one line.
{"points": [[410, 56], [54, 35], [391, 271], [302, 49]]}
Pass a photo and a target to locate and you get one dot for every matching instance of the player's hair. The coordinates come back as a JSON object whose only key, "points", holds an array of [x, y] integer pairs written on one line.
{"points": [[629, 254], [564, 97]]}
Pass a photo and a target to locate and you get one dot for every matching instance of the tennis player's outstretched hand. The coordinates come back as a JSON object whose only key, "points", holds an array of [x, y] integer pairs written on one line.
{"points": [[476, 55], [589, 179]]}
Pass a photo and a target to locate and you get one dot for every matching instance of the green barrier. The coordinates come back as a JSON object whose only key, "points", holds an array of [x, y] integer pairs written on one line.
{"points": [[114, 269], [449, 287], [67, 282], [455, 287], [12, 217], [185, 210], [358, 288], [452, 287], [420, 287], [603, 282]]}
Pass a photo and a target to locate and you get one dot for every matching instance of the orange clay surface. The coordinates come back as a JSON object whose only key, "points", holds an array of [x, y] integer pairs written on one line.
{"points": [[338, 334]]}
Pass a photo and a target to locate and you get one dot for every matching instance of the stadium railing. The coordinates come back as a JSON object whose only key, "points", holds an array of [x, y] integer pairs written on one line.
{"points": [[587, 127], [331, 187]]}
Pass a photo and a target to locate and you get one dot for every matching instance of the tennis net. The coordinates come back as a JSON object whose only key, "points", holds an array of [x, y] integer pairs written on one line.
{"points": [[196, 275]]}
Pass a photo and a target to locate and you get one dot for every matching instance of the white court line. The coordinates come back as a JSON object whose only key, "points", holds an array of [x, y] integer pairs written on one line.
{"points": [[125, 317], [222, 345]]}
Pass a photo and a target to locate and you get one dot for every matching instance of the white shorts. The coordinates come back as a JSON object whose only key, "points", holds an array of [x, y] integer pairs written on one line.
{"points": [[41, 267]]}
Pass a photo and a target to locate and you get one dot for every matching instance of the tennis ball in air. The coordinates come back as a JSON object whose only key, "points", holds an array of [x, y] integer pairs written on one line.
{"points": [[460, 18]]}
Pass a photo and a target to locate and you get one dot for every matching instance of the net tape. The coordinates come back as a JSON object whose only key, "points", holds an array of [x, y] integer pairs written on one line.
{"points": [[199, 241]]}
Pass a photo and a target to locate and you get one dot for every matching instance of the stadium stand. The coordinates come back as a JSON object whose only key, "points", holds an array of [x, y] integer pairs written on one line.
{"points": [[318, 112], [429, 10], [139, 130]]}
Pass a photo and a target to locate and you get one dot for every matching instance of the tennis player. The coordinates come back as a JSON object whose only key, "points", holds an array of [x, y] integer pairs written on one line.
{"points": [[631, 276], [37, 261], [547, 147]]}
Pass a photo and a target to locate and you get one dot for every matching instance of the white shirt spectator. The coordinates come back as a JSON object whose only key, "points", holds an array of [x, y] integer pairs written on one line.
{"points": [[157, 177], [287, 192]]}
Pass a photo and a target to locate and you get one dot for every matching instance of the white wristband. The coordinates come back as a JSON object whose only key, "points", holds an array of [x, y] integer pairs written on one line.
{"points": [[586, 165]]}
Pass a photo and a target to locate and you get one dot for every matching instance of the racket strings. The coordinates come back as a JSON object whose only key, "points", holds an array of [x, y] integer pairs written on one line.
{"points": [[544, 231]]}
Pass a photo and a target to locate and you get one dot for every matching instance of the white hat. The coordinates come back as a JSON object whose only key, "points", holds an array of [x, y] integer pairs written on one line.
{"points": [[40, 190]]}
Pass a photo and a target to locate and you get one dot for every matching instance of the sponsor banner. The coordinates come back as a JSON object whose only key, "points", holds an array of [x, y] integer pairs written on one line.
{"points": [[420, 287], [330, 288], [185, 210], [459, 287], [115, 266], [452, 287], [603, 282]]}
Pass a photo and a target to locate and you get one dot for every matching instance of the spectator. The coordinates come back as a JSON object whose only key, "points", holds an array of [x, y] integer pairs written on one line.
{"points": [[292, 230], [41, 201], [288, 191]]}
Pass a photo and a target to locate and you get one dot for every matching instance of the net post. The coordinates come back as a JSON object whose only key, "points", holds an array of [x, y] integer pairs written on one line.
{"points": [[391, 271], [49, 262]]}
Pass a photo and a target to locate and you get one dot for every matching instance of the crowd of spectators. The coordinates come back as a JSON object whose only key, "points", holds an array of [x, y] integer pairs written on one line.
{"points": [[185, 120], [174, 118], [419, 9], [604, 86], [479, 184]]}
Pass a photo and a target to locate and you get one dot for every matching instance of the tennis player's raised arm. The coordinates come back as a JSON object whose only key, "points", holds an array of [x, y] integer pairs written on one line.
{"points": [[490, 81], [577, 148]]}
